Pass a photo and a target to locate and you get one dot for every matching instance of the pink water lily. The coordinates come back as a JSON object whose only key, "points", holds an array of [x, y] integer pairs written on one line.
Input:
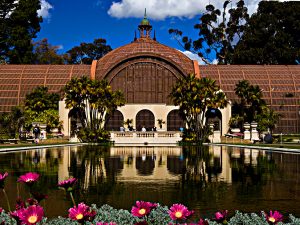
{"points": [[142, 208], [29, 178], [179, 212], [274, 218], [2, 179]]}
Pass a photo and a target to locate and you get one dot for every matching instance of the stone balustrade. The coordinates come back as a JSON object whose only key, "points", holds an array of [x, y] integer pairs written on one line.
{"points": [[153, 138]]}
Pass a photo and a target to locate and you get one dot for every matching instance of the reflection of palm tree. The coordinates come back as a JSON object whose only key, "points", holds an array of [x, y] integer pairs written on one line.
{"points": [[197, 159], [145, 165], [90, 170], [254, 174]]}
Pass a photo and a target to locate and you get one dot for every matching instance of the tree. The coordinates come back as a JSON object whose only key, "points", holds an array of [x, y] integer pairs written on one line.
{"points": [[252, 108], [272, 35], [41, 106], [6, 7], [50, 117], [46, 53], [267, 119], [19, 23], [92, 100], [11, 123], [40, 100], [87, 52], [217, 36], [251, 101], [194, 96]]}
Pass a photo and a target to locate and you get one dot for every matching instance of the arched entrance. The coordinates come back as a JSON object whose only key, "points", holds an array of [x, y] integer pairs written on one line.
{"points": [[115, 121], [144, 118], [214, 116], [174, 121]]}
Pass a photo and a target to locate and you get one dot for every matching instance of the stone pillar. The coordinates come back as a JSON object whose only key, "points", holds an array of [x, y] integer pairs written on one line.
{"points": [[43, 134], [217, 136], [211, 137], [247, 135], [254, 132]]}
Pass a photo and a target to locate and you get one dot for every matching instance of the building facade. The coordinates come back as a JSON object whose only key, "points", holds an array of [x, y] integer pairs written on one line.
{"points": [[145, 70]]}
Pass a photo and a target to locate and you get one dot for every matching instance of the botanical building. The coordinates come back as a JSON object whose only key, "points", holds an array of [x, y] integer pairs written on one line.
{"points": [[145, 70]]}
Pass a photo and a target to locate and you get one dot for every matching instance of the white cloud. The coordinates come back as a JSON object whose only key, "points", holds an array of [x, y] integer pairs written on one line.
{"points": [[194, 56], [156, 9], [45, 8], [161, 9], [60, 47]]}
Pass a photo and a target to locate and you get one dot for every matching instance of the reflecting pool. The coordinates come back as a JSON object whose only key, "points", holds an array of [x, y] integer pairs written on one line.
{"points": [[205, 179]]}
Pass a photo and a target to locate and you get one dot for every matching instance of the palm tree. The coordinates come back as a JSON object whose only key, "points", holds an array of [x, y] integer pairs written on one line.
{"points": [[128, 122], [242, 91], [92, 100], [194, 96]]}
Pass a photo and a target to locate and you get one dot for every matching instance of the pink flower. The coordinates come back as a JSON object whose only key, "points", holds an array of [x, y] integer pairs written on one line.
{"points": [[17, 215], [1, 210], [32, 201], [68, 184], [274, 218], [141, 223], [2, 179], [31, 215], [202, 222], [20, 204], [39, 196], [29, 178], [221, 216], [81, 213], [179, 212], [103, 223], [142, 208]]}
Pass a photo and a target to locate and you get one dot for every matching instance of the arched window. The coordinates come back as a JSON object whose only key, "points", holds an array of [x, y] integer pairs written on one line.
{"points": [[115, 121], [144, 118], [174, 121], [214, 116]]}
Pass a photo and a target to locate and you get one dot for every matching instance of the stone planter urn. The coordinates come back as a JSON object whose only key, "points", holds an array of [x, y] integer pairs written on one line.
{"points": [[254, 132], [247, 134], [235, 130]]}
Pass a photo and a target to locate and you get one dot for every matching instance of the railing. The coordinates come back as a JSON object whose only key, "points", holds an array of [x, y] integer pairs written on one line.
{"points": [[133, 137]]}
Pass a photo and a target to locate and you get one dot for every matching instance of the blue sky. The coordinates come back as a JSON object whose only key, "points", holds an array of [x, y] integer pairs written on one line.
{"points": [[67, 23]]}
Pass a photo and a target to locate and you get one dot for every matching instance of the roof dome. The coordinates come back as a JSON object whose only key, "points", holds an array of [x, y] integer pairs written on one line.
{"points": [[143, 47], [145, 21]]}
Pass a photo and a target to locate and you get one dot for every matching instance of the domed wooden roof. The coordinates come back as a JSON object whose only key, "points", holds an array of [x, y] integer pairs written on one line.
{"points": [[141, 48]]}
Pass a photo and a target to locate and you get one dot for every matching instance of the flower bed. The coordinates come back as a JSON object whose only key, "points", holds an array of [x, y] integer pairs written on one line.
{"points": [[142, 213]]}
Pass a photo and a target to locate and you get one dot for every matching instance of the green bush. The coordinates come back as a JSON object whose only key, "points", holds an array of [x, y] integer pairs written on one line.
{"points": [[93, 136]]}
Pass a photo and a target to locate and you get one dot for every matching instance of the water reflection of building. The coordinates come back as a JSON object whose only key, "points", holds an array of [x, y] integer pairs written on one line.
{"points": [[145, 163], [220, 164]]}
